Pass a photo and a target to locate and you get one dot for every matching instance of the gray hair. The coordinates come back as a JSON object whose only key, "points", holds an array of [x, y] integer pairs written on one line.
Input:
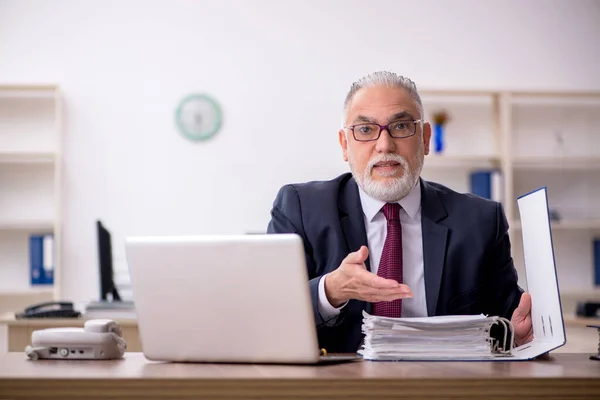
{"points": [[382, 78]]}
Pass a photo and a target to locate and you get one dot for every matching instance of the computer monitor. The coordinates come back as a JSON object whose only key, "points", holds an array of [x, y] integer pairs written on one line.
{"points": [[108, 290]]}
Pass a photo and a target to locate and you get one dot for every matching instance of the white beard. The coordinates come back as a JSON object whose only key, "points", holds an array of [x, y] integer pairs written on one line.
{"points": [[392, 190]]}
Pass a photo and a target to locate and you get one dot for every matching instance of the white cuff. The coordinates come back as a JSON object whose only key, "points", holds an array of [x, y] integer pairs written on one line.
{"points": [[326, 310]]}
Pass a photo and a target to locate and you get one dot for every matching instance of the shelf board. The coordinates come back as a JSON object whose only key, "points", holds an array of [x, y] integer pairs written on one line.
{"points": [[25, 225], [570, 319], [443, 161], [515, 94], [42, 289], [27, 157], [28, 91], [556, 94], [557, 163], [573, 224], [456, 92], [579, 295], [27, 87]]}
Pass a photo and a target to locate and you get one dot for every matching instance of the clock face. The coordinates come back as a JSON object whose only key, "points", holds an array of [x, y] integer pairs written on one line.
{"points": [[198, 117]]}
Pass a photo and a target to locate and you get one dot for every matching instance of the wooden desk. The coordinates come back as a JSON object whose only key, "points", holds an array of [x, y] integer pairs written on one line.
{"points": [[560, 376], [19, 330]]}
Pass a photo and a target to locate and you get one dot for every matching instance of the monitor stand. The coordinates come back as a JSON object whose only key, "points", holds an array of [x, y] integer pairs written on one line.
{"points": [[122, 309]]}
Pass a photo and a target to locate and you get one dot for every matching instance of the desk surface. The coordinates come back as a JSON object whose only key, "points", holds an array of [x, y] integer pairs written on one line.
{"points": [[558, 376], [10, 320]]}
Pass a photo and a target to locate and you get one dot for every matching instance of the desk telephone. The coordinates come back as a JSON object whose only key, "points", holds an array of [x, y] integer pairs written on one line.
{"points": [[51, 309], [99, 339]]}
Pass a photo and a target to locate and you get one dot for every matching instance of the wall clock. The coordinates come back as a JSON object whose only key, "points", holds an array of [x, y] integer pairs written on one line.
{"points": [[198, 117]]}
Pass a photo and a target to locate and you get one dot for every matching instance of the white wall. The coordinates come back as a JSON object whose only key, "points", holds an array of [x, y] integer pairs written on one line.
{"points": [[280, 70]]}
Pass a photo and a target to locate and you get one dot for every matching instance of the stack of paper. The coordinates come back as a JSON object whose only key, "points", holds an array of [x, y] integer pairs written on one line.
{"points": [[439, 338]]}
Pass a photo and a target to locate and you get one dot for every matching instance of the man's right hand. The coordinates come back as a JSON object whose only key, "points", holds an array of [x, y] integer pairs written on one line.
{"points": [[352, 281]]}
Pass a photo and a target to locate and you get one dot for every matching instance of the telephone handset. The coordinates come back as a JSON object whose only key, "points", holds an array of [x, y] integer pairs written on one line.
{"points": [[99, 339], [51, 309]]}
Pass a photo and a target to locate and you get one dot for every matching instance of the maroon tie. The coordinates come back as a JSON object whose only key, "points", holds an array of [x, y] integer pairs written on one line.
{"points": [[390, 266]]}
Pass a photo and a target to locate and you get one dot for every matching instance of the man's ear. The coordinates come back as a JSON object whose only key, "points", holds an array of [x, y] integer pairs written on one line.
{"points": [[343, 143], [426, 136]]}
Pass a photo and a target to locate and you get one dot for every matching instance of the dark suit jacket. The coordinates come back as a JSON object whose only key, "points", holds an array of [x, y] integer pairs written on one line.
{"points": [[466, 250]]}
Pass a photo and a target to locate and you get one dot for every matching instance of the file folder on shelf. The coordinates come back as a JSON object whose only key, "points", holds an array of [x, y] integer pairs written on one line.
{"points": [[487, 184], [41, 259], [470, 338]]}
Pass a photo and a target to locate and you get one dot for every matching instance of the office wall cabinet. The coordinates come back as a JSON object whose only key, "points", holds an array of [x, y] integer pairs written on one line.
{"points": [[30, 189], [534, 139]]}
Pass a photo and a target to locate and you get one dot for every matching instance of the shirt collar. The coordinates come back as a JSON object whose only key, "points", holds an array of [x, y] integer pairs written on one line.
{"points": [[411, 203]]}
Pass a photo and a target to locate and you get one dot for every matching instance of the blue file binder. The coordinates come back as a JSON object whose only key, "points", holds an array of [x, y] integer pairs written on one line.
{"points": [[41, 259], [487, 184]]}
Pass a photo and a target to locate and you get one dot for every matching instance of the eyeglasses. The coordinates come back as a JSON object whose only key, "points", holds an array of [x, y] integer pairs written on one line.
{"points": [[397, 129]]}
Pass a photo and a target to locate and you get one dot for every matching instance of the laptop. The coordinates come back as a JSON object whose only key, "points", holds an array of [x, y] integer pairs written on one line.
{"points": [[224, 298]]}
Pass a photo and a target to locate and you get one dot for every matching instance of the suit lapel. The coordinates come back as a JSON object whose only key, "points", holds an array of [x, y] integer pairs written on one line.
{"points": [[351, 217], [435, 237]]}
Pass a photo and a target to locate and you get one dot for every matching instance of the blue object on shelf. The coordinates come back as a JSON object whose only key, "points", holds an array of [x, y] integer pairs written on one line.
{"points": [[487, 184], [481, 184], [597, 262], [439, 138], [36, 259], [41, 259]]}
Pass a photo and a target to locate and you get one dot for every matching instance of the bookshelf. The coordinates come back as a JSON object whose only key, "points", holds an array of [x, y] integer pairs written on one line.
{"points": [[472, 161], [550, 163], [565, 225], [535, 139], [30, 183]]}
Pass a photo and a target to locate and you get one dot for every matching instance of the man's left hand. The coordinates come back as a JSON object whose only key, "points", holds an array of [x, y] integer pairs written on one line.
{"points": [[521, 320]]}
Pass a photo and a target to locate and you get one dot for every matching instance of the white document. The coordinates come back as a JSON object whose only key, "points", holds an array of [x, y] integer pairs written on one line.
{"points": [[467, 337]]}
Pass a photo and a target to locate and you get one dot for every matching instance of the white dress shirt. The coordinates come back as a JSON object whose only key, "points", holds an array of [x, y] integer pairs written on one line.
{"points": [[412, 251]]}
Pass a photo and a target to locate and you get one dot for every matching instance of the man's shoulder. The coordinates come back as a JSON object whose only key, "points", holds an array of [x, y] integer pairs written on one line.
{"points": [[454, 199], [314, 201], [314, 188], [467, 211]]}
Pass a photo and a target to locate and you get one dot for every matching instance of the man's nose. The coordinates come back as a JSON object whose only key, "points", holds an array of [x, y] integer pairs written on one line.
{"points": [[385, 143]]}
